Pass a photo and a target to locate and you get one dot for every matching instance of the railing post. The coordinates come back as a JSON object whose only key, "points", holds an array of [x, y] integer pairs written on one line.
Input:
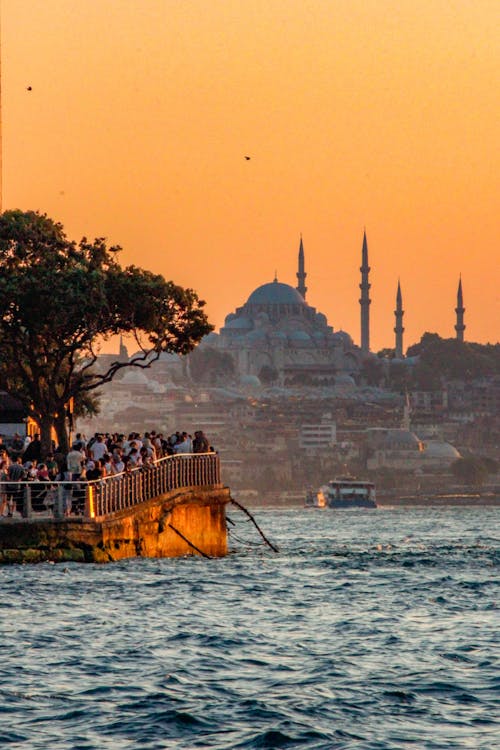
{"points": [[59, 504], [27, 508], [89, 502]]}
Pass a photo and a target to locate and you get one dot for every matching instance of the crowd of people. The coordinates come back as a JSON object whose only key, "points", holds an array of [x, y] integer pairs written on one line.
{"points": [[103, 455]]}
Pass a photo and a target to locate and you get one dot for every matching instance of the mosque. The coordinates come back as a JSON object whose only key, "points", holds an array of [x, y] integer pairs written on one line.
{"points": [[278, 331]]}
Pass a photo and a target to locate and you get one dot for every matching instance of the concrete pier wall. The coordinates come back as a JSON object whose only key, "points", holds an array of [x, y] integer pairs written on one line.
{"points": [[145, 530]]}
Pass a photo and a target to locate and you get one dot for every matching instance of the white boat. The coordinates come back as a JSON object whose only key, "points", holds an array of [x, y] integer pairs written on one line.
{"points": [[344, 492]]}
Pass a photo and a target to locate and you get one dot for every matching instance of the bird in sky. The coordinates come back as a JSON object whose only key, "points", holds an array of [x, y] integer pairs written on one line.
{"points": [[247, 158], [29, 88]]}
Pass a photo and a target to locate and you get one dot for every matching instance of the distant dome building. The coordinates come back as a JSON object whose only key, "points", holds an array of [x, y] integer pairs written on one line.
{"points": [[399, 448], [276, 328], [439, 454], [394, 448]]}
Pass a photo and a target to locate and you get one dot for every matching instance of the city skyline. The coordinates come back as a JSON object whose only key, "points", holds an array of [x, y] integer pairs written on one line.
{"points": [[133, 121]]}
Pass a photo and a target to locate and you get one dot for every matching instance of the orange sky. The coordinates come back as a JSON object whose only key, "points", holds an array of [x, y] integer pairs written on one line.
{"points": [[376, 113]]}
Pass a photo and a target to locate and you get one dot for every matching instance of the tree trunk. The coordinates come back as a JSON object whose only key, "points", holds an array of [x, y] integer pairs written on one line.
{"points": [[62, 431], [46, 424]]}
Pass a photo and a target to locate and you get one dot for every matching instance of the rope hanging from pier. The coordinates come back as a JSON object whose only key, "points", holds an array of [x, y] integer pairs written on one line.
{"points": [[193, 546], [242, 507]]}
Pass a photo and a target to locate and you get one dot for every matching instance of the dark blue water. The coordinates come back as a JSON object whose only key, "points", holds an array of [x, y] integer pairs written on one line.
{"points": [[369, 630]]}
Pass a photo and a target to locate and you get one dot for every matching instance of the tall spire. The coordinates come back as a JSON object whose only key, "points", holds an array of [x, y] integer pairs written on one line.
{"points": [[399, 330], [459, 310], [301, 274], [365, 298]]}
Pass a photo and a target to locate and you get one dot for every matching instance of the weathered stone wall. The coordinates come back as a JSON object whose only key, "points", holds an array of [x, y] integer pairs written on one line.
{"points": [[143, 531]]}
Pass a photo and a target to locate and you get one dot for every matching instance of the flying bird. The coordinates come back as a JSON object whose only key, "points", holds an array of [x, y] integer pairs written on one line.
{"points": [[29, 88], [247, 158]]}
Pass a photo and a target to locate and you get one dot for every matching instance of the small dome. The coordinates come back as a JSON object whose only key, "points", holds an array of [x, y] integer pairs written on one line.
{"points": [[240, 323], [299, 336], [250, 380], [343, 338], [212, 338], [401, 439], [169, 358], [437, 449], [321, 320], [342, 378], [393, 438], [275, 293], [135, 377], [256, 335]]}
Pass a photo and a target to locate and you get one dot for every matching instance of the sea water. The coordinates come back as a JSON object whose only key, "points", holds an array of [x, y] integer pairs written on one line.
{"points": [[369, 629]]}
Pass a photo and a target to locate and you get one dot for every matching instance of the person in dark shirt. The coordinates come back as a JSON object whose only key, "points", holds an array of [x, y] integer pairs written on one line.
{"points": [[34, 450], [15, 473], [200, 442], [17, 446]]}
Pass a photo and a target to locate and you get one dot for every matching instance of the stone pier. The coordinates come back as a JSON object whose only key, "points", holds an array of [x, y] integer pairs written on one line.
{"points": [[186, 521]]}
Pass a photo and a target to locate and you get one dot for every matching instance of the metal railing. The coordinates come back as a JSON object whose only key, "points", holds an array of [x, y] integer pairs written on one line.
{"points": [[101, 497]]}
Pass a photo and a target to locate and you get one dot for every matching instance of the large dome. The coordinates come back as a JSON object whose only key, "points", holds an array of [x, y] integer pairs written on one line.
{"points": [[437, 449], [275, 293]]}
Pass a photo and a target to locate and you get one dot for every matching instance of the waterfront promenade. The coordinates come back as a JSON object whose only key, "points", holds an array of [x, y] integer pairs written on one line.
{"points": [[57, 500], [169, 508]]}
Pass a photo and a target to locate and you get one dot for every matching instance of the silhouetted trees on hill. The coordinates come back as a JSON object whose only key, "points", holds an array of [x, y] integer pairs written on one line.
{"points": [[437, 360]]}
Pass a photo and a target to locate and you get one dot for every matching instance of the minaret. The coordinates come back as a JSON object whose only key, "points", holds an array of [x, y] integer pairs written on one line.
{"points": [[365, 299], [122, 353], [460, 309], [399, 330], [301, 274]]}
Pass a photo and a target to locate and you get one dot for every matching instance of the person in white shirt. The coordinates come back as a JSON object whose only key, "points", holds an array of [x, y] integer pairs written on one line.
{"points": [[98, 449], [117, 465], [184, 445], [74, 461]]}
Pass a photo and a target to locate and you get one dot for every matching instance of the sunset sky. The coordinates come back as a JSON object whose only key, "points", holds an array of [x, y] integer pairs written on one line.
{"points": [[356, 113]]}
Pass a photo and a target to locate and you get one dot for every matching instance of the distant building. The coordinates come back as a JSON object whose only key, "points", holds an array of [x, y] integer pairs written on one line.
{"points": [[396, 448], [277, 332], [319, 437]]}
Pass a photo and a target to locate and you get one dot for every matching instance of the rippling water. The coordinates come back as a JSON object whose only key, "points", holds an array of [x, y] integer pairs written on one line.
{"points": [[368, 630]]}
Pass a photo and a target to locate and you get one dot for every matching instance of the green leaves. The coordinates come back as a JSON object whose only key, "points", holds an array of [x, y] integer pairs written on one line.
{"points": [[58, 299]]}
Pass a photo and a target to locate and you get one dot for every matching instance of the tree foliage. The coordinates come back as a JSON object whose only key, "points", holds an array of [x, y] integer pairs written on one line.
{"points": [[59, 299], [372, 371], [436, 361], [211, 366], [451, 359]]}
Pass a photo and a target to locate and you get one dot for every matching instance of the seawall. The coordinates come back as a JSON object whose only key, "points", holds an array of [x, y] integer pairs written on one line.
{"points": [[185, 521]]}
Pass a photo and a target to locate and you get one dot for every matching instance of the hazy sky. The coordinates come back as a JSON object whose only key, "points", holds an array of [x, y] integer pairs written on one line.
{"points": [[355, 113]]}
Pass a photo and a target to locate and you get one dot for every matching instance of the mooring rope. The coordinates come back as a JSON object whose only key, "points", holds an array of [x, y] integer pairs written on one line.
{"points": [[203, 554], [242, 507]]}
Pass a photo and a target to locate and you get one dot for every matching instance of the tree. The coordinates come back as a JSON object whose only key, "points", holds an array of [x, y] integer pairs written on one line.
{"points": [[398, 376], [211, 366], [372, 371], [60, 299], [453, 359], [386, 353]]}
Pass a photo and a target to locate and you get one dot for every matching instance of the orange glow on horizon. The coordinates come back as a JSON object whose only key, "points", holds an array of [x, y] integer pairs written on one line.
{"points": [[354, 112]]}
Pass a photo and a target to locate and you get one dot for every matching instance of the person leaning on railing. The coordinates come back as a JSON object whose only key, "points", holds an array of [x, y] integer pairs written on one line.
{"points": [[74, 462], [3, 488], [16, 473]]}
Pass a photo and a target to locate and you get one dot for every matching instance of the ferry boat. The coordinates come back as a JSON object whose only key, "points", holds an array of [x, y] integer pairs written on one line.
{"points": [[343, 492]]}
